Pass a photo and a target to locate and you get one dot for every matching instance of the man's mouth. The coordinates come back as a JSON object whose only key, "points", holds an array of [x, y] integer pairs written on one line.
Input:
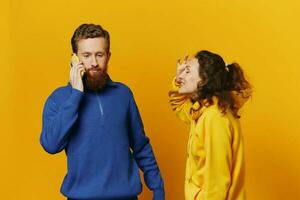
{"points": [[94, 71]]}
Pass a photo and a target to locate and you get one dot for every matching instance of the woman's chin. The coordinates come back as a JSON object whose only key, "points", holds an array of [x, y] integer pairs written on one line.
{"points": [[183, 91], [187, 92]]}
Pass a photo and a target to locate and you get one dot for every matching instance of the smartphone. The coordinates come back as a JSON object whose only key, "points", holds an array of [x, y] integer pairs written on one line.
{"points": [[75, 61]]}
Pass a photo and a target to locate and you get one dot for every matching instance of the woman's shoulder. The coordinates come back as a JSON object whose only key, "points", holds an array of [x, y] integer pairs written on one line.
{"points": [[213, 114]]}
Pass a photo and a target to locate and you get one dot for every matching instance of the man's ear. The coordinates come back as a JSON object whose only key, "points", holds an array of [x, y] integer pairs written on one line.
{"points": [[108, 57], [109, 54]]}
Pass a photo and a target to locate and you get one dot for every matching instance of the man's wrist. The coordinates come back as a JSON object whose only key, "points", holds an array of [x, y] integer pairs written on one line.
{"points": [[158, 194]]}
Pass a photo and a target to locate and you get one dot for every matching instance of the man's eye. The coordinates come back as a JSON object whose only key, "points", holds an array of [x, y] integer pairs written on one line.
{"points": [[85, 56], [187, 71], [100, 55]]}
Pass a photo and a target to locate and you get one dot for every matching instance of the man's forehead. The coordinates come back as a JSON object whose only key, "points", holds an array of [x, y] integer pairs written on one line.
{"points": [[92, 45]]}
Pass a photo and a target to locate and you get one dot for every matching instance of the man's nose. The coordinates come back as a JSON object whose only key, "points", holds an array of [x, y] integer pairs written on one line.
{"points": [[94, 62]]}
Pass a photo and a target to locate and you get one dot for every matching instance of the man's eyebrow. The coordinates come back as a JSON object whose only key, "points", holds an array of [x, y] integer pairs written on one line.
{"points": [[90, 53]]}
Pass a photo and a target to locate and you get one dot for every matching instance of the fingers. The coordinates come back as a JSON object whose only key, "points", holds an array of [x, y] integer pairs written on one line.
{"points": [[81, 70], [76, 72], [184, 60], [181, 65]]}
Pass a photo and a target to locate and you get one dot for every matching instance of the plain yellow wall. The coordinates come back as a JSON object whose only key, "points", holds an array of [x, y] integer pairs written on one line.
{"points": [[147, 37]]}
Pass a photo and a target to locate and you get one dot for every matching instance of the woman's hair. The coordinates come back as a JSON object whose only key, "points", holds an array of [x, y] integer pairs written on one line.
{"points": [[226, 82]]}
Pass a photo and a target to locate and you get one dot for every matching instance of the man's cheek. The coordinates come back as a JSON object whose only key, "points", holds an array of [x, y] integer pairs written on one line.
{"points": [[103, 62]]}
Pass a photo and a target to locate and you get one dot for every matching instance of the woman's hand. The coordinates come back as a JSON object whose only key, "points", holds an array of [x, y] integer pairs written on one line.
{"points": [[181, 64]]}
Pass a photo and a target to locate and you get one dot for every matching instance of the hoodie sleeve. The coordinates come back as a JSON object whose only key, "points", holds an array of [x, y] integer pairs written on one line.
{"points": [[180, 104], [143, 154], [58, 121]]}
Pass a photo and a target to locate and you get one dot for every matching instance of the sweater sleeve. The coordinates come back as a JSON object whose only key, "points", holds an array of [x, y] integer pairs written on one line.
{"points": [[181, 104], [58, 120], [143, 153], [217, 174]]}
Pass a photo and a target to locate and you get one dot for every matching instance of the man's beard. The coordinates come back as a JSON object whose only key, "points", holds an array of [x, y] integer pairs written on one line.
{"points": [[94, 79]]}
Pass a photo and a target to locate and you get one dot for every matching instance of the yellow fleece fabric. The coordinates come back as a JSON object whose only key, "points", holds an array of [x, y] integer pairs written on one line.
{"points": [[215, 168]]}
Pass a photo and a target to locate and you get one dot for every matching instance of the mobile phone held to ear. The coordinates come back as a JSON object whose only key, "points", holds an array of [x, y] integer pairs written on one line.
{"points": [[75, 61]]}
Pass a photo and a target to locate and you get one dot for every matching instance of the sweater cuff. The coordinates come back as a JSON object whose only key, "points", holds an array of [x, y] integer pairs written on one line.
{"points": [[76, 96], [158, 194]]}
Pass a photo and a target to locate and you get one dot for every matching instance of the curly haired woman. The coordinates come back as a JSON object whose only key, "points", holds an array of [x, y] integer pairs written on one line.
{"points": [[207, 94]]}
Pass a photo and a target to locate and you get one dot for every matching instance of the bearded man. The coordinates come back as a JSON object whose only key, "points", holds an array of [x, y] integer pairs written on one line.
{"points": [[97, 123]]}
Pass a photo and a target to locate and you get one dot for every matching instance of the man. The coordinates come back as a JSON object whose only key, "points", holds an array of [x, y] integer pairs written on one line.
{"points": [[96, 121]]}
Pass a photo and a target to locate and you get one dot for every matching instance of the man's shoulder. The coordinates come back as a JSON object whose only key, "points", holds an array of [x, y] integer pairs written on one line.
{"points": [[61, 92], [123, 87]]}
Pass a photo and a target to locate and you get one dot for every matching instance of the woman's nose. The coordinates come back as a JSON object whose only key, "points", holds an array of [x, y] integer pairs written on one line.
{"points": [[180, 79], [181, 76]]}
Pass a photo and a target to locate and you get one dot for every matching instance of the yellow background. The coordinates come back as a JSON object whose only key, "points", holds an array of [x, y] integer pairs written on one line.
{"points": [[147, 37]]}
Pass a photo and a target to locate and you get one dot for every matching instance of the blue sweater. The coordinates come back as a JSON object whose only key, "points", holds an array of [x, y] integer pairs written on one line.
{"points": [[103, 136]]}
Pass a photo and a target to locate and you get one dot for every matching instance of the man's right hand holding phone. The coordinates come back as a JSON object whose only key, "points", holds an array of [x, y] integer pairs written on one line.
{"points": [[76, 73]]}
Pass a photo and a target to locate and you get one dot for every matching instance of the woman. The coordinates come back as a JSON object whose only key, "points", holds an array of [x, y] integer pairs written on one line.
{"points": [[207, 94]]}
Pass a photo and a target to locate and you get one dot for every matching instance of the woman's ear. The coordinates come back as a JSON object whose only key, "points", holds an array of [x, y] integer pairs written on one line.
{"points": [[202, 82]]}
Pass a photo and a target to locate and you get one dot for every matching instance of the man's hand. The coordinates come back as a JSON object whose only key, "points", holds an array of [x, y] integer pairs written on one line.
{"points": [[76, 72]]}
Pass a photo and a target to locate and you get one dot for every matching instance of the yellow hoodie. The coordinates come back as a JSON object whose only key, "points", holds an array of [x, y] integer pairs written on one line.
{"points": [[215, 168]]}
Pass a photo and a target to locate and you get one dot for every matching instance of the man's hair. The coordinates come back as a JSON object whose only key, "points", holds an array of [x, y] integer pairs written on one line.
{"points": [[85, 31]]}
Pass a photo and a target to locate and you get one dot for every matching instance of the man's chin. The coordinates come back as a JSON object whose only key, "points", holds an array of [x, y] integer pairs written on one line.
{"points": [[93, 73]]}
